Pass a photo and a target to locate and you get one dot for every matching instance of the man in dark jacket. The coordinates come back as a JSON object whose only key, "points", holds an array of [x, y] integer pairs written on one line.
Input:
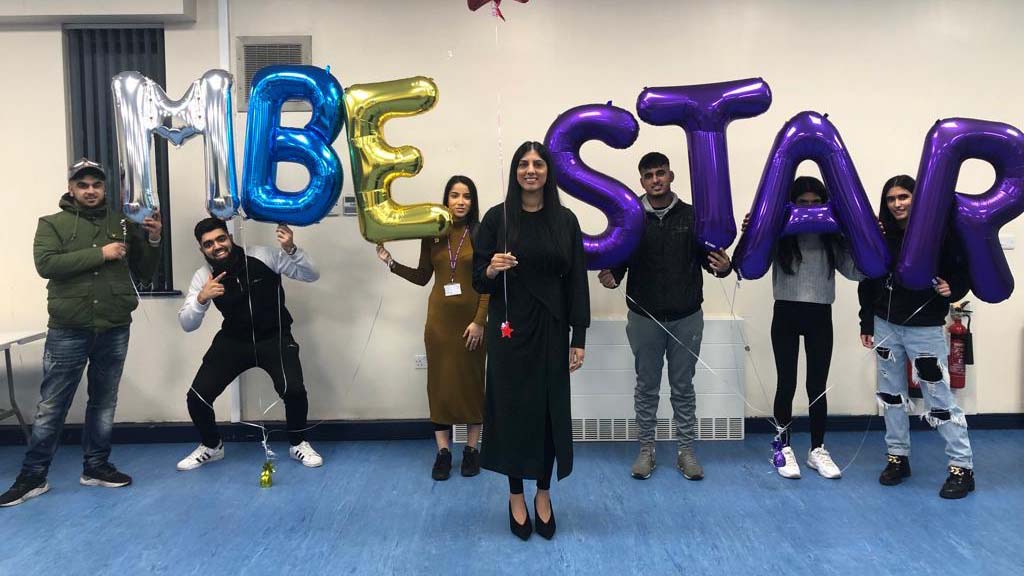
{"points": [[244, 285], [89, 254], [664, 294]]}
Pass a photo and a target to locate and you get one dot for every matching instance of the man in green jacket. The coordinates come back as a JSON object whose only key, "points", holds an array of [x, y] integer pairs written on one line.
{"points": [[90, 255]]}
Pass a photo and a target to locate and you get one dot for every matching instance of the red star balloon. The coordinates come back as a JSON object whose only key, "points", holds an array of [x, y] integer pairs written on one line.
{"points": [[475, 5], [506, 330]]}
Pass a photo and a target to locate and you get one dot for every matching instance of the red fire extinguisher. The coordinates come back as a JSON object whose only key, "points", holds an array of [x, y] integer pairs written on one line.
{"points": [[959, 343], [961, 349]]}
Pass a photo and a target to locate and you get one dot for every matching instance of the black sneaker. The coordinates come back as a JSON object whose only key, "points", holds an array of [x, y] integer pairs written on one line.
{"points": [[25, 487], [895, 471], [104, 475], [470, 461], [442, 465], [959, 483]]}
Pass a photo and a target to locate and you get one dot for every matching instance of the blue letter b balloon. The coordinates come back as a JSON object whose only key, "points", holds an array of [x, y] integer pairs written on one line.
{"points": [[267, 143]]}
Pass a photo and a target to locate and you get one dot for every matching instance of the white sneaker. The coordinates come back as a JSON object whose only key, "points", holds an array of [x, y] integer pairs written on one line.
{"points": [[201, 455], [819, 459], [304, 453], [791, 469]]}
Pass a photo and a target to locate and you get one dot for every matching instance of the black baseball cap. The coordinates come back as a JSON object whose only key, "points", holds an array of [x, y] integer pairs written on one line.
{"points": [[86, 167]]}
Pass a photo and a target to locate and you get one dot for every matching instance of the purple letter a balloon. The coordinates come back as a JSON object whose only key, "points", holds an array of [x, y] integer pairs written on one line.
{"points": [[704, 111], [618, 129], [810, 136], [977, 219]]}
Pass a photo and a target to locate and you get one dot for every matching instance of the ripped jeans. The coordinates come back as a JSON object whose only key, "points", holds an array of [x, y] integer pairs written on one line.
{"points": [[926, 346]]}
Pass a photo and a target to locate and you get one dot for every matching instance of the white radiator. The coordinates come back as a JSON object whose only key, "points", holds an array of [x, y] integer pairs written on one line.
{"points": [[602, 391]]}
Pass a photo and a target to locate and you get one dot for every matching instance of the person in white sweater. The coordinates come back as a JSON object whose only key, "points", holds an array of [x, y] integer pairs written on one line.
{"points": [[804, 284], [256, 332]]}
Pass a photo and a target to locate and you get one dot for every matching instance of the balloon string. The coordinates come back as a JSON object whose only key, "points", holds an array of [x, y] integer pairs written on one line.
{"points": [[782, 429], [746, 343], [742, 397], [252, 324], [369, 335], [501, 162], [131, 277]]}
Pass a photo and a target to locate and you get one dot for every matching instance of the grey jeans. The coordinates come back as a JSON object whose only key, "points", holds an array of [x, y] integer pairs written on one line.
{"points": [[651, 345]]}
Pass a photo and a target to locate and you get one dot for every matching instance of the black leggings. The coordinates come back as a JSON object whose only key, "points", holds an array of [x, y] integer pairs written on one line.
{"points": [[226, 359], [814, 323], [515, 485]]}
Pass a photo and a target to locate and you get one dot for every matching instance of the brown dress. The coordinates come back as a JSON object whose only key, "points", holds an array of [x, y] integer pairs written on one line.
{"points": [[455, 375]]}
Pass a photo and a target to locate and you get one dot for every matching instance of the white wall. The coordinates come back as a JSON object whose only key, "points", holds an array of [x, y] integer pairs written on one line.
{"points": [[883, 72]]}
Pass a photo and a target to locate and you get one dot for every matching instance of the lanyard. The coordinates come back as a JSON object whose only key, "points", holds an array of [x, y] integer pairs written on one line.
{"points": [[453, 259]]}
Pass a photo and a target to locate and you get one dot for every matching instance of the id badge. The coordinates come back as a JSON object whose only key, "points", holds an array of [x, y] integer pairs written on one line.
{"points": [[454, 289]]}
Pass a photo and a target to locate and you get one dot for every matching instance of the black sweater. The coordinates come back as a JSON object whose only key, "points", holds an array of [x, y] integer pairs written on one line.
{"points": [[665, 276], [907, 307], [557, 280]]}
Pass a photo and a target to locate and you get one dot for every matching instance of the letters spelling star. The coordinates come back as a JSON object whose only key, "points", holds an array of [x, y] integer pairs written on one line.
{"points": [[506, 330]]}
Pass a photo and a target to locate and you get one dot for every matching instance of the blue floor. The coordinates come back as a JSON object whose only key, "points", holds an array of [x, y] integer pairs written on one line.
{"points": [[373, 509]]}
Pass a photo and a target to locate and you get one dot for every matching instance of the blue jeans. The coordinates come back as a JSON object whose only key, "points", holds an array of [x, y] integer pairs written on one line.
{"points": [[651, 345], [926, 346], [65, 356]]}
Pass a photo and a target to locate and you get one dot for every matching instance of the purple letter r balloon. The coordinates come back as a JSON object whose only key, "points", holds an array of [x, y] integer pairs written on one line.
{"points": [[977, 219]]}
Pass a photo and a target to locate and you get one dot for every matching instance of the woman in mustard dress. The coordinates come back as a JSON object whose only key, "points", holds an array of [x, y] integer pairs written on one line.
{"points": [[454, 333]]}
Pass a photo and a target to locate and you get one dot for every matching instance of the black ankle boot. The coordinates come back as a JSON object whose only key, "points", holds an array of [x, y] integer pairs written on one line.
{"points": [[442, 465], [545, 529], [470, 461], [895, 471], [523, 530], [959, 483]]}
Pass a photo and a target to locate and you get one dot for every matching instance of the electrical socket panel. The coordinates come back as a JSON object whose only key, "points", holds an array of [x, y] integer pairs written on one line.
{"points": [[1007, 241], [419, 361]]}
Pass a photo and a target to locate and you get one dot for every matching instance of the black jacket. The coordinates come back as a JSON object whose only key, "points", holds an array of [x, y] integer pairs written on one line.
{"points": [[907, 307], [245, 275], [665, 277]]}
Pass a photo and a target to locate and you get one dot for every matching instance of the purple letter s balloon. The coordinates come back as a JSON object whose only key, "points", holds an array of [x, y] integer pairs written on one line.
{"points": [[267, 143], [618, 129], [810, 136], [704, 111], [977, 219]]}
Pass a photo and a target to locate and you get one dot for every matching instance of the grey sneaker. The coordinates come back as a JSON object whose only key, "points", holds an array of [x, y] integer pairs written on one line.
{"points": [[688, 465], [644, 463]]}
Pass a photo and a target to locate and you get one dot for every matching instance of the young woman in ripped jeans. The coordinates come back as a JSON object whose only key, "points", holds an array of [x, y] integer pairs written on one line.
{"points": [[903, 324]]}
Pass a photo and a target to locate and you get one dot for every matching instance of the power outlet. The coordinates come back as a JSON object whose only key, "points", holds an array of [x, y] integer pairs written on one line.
{"points": [[419, 361], [1007, 241]]}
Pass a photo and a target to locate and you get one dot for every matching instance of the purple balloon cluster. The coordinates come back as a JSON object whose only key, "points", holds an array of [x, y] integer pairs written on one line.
{"points": [[703, 111]]}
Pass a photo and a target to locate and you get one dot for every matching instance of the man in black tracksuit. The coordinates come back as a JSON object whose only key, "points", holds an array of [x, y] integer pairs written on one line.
{"points": [[664, 293], [256, 332]]}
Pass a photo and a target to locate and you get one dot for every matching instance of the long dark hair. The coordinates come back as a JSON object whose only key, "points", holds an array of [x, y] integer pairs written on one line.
{"points": [[473, 216], [885, 216], [788, 250], [552, 209]]}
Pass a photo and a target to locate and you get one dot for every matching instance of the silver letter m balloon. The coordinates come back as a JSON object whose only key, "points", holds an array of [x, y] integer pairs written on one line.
{"points": [[141, 107]]}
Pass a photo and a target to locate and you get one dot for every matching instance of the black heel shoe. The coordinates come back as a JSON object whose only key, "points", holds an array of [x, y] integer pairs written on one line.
{"points": [[523, 530], [545, 529]]}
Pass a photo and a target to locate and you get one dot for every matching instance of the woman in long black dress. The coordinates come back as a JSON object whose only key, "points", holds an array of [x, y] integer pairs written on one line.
{"points": [[529, 256]]}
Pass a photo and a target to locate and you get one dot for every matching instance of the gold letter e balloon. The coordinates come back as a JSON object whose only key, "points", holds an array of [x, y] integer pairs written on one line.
{"points": [[375, 163]]}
